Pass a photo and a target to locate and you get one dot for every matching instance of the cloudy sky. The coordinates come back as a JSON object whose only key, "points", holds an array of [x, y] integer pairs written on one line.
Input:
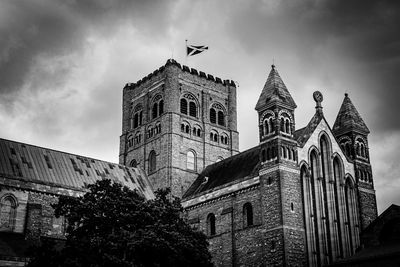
{"points": [[63, 65]]}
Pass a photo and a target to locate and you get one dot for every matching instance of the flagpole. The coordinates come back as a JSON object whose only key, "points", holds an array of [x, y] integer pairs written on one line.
{"points": [[186, 58]]}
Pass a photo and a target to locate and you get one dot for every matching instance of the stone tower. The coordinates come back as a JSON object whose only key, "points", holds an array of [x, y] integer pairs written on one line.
{"points": [[175, 122], [352, 134], [279, 175]]}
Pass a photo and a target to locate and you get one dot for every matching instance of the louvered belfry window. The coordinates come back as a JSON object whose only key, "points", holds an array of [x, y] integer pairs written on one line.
{"points": [[192, 109], [213, 116], [221, 119], [184, 106]]}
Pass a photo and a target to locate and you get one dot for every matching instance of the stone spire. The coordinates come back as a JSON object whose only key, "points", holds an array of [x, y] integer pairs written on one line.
{"points": [[274, 92], [348, 118]]}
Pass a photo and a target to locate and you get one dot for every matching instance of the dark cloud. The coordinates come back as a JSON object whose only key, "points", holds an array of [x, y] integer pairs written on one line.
{"points": [[35, 30], [362, 36]]}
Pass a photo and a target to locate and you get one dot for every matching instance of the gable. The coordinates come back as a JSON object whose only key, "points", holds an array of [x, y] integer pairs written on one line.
{"points": [[313, 141]]}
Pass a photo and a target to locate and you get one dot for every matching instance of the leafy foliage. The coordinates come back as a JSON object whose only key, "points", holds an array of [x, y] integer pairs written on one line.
{"points": [[112, 225]]}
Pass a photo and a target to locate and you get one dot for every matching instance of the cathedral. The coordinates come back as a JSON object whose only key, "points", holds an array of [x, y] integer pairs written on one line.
{"points": [[301, 197]]}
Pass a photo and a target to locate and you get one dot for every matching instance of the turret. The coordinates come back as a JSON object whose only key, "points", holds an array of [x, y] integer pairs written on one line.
{"points": [[352, 134], [279, 174]]}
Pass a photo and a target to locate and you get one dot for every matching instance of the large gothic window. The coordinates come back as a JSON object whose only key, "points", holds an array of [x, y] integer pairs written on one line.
{"points": [[152, 161], [311, 228], [8, 207]]}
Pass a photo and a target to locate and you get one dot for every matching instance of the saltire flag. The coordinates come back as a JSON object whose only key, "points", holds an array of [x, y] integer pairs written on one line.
{"points": [[192, 50]]}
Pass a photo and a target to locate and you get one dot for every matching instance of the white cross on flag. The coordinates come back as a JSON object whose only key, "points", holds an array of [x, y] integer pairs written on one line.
{"points": [[192, 50]]}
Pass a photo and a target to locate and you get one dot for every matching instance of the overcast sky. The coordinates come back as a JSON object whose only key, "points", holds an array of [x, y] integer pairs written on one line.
{"points": [[63, 65]]}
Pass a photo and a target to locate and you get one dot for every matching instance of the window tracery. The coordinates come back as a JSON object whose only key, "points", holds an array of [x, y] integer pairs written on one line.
{"points": [[217, 114], [188, 105], [137, 116]]}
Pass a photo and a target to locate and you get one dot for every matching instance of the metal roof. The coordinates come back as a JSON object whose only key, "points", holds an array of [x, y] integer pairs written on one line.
{"points": [[29, 164]]}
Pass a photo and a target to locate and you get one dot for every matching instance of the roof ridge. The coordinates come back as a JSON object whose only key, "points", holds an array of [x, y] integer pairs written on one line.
{"points": [[231, 157], [173, 62]]}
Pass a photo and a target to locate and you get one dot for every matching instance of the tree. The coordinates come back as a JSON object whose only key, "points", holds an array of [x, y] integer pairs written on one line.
{"points": [[112, 225]]}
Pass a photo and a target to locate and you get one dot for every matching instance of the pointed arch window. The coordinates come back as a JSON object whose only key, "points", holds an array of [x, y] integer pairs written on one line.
{"points": [[189, 105], [152, 161], [247, 215], [8, 206], [211, 224], [217, 114], [137, 116], [191, 160]]}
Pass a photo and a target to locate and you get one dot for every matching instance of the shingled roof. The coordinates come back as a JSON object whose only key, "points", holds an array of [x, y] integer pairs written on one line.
{"points": [[275, 91], [238, 167], [25, 164], [348, 118]]}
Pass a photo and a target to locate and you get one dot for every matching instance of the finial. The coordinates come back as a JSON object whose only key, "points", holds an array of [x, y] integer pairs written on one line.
{"points": [[346, 94], [273, 66], [318, 98]]}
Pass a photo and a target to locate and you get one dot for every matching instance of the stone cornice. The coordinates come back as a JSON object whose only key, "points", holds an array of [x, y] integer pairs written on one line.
{"points": [[279, 167]]}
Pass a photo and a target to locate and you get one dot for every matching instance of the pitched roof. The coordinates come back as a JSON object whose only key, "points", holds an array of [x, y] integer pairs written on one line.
{"points": [[28, 164], [274, 91], [348, 118], [238, 167]]}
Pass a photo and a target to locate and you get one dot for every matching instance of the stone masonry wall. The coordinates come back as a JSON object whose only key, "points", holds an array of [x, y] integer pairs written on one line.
{"points": [[368, 211], [171, 145]]}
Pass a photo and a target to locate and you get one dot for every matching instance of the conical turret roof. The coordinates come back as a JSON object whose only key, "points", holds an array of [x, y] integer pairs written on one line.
{"points": [[274, 91], [348, 118]]}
